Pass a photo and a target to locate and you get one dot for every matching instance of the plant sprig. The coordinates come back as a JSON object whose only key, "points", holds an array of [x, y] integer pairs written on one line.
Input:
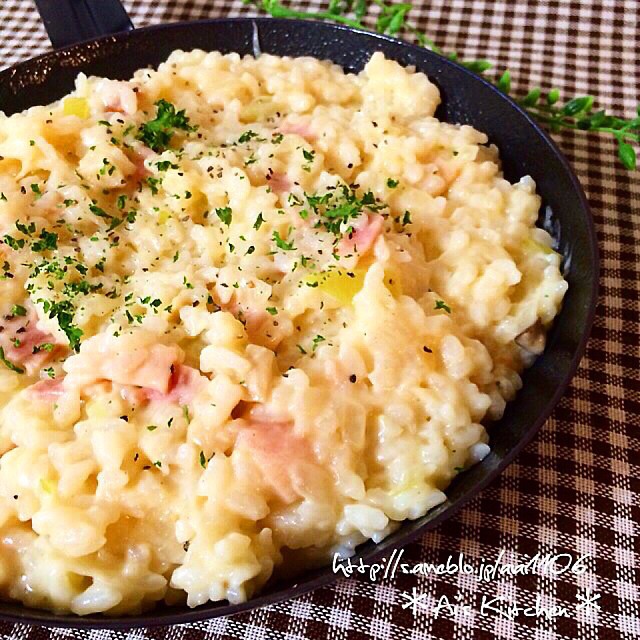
{"points": [[391, 19]]}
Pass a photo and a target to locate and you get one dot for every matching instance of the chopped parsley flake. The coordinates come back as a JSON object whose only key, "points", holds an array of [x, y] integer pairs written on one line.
{"points": [[64, 312], [97, 211], [392, 184], [225, 214], [13, 243], [8, 363], [338, 207], [153, 184], [165, 165], [309, 156], [18, 310], [157, 133], [258, 223], [47, 241], [281, 242], [440, 304], [247, 136], [26, 229], [45, 346]]}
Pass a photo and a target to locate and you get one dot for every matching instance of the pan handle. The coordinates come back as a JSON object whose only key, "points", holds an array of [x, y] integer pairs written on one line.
{"points": [[70, 21]]}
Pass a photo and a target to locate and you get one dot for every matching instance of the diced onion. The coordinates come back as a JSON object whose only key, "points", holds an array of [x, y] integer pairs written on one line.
{"points": [[339, 284], [76, 107]]}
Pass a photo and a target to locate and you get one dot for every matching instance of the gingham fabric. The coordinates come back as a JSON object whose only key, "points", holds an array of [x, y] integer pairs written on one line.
{"points": [[575, 489]]}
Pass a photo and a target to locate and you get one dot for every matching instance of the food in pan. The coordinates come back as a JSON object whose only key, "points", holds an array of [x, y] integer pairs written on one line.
{"points": [[254, 312]]}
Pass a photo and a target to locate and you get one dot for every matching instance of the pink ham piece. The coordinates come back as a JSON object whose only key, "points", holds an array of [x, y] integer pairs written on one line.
{"points": [[184, 385], [258, 324], [48, 390], [365, 232], [138, 158], [117, 96], [279, 456], [20, 335], [279, 182], [301, 129], [133, 359]]}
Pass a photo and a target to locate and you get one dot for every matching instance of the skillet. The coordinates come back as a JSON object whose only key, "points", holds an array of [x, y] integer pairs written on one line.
{"points": [[466, 98]]}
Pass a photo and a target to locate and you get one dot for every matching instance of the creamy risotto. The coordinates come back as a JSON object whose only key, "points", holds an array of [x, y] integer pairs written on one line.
{"points": [[254, 313]]}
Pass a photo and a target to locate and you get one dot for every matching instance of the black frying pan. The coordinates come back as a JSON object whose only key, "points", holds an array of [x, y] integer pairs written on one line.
{"points": [[467, 98]]}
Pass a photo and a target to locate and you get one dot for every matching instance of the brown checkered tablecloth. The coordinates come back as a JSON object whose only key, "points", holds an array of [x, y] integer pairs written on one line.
{"points": [[576, 488]]}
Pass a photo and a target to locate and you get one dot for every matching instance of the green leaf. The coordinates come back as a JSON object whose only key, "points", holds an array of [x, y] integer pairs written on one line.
{"points": [[383, 22], [477, 66], [360, 9], [335, 7], [597, 118], [504, 83], [584, 124], [398, 20], [532, 97], [627, 155], [577, 105], [553, 96]]}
